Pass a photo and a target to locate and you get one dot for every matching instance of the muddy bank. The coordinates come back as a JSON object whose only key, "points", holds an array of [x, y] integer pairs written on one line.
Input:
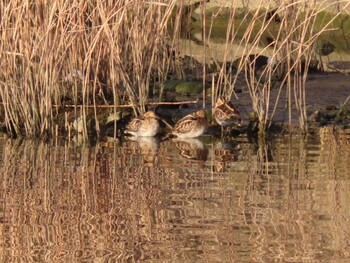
{"points": [[330, 5], [216, 50], [325, 92]]}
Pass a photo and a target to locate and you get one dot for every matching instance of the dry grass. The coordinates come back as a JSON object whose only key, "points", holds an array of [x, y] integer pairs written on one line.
{"points": [[115, 46], [291, 50]]}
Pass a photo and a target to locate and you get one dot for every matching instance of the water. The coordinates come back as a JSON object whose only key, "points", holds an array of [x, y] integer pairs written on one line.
{"points": [[207, 200]]}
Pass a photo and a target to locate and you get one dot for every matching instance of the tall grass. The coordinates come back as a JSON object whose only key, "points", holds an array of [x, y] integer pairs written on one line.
{"points": [[116, 45], [293, 31]]}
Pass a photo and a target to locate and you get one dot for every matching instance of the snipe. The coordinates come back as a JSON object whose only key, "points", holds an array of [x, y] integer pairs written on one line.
{"points": [[192, 125], [144, 126], [226, 114]]}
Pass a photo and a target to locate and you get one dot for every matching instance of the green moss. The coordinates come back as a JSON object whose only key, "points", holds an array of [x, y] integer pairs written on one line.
{"points": [[342, 21], [189, 88], [220, 21], [170, 85]]}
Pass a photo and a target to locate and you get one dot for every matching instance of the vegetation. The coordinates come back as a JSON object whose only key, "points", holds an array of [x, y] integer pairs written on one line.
{"points": [[66, 60]]}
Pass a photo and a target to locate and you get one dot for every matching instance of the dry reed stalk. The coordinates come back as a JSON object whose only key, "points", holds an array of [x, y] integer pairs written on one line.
{"points": [[121, 44], [293, 46], [204, 39], [224, 86], [127, 105], [298, 46]]}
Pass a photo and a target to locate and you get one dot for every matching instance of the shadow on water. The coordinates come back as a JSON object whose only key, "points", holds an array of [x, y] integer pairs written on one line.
{"points": [[201, 200]]}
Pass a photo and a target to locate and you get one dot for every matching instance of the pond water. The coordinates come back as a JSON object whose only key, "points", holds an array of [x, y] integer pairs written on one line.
{"points": [[208, 200]]}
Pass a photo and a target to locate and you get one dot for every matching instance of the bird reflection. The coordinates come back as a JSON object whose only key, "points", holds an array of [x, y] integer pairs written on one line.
{"points": [[146, 146], [191, 148], [224, 154]]}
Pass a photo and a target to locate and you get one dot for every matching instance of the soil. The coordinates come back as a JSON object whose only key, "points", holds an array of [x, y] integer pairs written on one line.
{"points": [[324, 91]]}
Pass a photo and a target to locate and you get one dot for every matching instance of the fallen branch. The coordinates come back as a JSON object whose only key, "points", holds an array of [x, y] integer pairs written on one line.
{"points": [[166, 123], [128, 105]]}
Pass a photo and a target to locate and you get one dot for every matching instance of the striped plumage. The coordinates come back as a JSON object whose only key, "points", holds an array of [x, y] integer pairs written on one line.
{"points": [[192, 125], [226, 114], [144, 126]]}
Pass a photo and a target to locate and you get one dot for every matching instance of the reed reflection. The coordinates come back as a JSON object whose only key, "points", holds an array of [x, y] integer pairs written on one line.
{"points": [[285, 199]]}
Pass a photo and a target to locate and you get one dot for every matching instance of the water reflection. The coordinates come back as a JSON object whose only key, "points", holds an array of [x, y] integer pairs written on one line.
{"points": [[145, 200], [191, 148], [147, 147], [225, 154]]}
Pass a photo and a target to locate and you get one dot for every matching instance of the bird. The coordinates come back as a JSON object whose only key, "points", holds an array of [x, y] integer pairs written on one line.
{"points": [[144, 126], [226, 114], [191, 126]]}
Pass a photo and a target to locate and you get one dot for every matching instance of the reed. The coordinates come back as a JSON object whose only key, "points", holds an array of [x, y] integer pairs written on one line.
{"points": [[55, 52], [291, 28]]}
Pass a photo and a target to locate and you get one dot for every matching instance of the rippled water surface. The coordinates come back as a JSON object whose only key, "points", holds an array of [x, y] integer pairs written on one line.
{"points": [[207, 200]]}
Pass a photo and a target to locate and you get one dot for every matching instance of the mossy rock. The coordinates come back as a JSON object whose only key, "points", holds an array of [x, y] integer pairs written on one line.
{"points": [[170, 85], [189, 88]]}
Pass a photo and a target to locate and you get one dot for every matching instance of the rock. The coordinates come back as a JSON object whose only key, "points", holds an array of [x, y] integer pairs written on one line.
{"points": [[189, 88], [170, 85]]}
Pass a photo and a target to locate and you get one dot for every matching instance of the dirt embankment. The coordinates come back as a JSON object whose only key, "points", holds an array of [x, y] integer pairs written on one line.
{"points": [[323, 92], [329, 5]]}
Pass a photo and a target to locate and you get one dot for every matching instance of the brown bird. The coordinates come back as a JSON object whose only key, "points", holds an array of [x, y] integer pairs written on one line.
{"points": [[226, 114], [192, 125], [144, 126]]}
